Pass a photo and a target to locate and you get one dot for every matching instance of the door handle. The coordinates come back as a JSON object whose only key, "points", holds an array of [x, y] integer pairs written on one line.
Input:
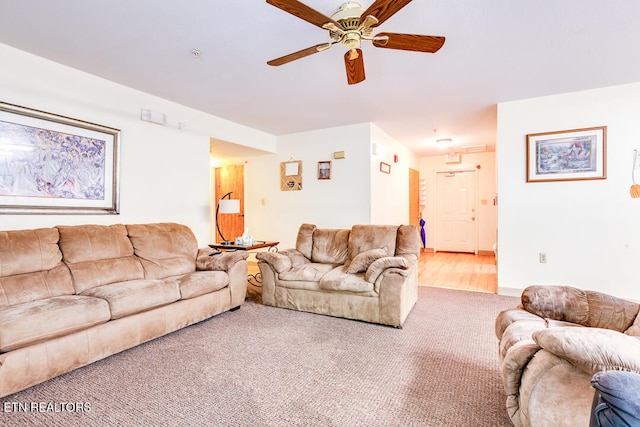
{"points": [[473, 218]]}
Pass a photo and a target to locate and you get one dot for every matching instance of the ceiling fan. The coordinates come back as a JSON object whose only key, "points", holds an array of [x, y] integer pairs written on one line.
{"points": [[349, 26]]}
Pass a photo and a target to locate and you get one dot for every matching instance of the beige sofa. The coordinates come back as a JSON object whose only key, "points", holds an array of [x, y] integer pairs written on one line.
{"points": [[554, 342], [71, 295], [368, 273]]}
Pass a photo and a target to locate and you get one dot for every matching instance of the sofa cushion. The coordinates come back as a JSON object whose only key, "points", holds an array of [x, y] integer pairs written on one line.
{"points": [[365, 237], [164, 249], [339, 280], [28, 251], [330, 246], [378, 266], [28, 287], [295, 256], [408, 241], [361, 262], [29, 323], [634, 330], [311, 272], [304, 240], [278, 261], [193, 285], [98, 255], [134, 296], [592, 349], [31, 267]]}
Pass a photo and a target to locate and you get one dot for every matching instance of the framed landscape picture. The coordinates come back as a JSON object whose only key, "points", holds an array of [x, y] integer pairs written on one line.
{"points": [[568, 155], [51, 164]]}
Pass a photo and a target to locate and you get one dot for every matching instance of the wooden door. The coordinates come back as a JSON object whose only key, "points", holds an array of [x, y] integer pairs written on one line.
{"points": [[414, 198], [230, 179], [456, 212]]}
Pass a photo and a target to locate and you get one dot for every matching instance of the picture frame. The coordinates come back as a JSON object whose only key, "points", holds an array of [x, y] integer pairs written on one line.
{"points": [[324, 169], [291, 175], [567, 155], [52, 164], [385, 167]]}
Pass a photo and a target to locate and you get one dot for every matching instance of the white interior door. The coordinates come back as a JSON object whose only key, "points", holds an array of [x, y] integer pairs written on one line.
{"points": [[456, 229]]}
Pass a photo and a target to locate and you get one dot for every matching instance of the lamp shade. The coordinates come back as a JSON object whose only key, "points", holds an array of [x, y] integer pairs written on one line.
{"points": [[229, 206]]}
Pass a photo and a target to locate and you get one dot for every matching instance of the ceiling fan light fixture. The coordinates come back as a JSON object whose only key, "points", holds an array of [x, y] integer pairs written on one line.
{"points": [[347, 11], [349, 26]]}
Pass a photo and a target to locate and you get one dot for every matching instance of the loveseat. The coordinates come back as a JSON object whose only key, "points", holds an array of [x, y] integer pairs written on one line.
{"points": [[554, 342], [368, 273], [71, 295]]}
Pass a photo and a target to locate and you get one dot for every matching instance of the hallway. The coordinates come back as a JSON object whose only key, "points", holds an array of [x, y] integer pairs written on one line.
{"points": [[458, 271]]}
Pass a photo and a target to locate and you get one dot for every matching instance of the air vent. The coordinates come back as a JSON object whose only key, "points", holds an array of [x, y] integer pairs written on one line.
{"points": [[481, 148]]}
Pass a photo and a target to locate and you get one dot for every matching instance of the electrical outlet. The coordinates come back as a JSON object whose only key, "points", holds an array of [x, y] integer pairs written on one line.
{"points": [[542, 257]]}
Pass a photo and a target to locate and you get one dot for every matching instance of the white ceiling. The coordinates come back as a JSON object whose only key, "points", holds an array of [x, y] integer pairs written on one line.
{"points": [[495, 51]]}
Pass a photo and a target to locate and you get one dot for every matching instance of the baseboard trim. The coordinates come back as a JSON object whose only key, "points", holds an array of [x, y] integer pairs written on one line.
{"points": [[485, 253], [509, 292]]}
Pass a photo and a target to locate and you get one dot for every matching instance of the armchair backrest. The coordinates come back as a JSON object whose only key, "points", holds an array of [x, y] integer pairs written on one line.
{"points": [[337, 246], [587, 308]]}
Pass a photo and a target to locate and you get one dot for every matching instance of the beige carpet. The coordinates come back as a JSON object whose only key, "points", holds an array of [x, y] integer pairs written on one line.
{"points": [[264, 366]]}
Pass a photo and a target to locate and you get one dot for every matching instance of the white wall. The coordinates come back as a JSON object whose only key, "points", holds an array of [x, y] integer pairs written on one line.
{"points": [[357, 193], [340, 202], [486, 175], [390, 192], [164, 171], [590, 230]]}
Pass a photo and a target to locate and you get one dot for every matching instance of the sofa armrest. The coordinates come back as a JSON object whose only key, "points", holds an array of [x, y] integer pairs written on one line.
{"points": [[220, 262], [278, 261], [592, 349], [377, 267]]}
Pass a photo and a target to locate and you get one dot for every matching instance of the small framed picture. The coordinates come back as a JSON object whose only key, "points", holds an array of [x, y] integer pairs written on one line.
{"points": [[324, 169], [385, 167], [567, 155]]}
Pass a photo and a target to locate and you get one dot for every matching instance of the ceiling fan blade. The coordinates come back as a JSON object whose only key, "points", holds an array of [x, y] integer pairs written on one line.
{"points": [[383, 10], [303, 12], [299, 54], [414, 42], [355, 66]]}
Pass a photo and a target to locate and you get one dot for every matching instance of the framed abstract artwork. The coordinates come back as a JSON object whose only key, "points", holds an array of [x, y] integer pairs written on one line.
{"points": [[51, 164], [568, 155]]}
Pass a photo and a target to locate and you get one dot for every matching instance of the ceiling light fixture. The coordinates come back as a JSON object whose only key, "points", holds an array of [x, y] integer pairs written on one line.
{"points": [[444, 142]]}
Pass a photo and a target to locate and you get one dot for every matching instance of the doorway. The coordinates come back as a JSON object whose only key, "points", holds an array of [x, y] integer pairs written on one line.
{"points": [[229, 179], [414, 198], [456, 212]]}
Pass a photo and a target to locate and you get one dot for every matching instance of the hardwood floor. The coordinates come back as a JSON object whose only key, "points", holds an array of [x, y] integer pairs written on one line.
{"points": [[446, 270], [458, 271]]}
